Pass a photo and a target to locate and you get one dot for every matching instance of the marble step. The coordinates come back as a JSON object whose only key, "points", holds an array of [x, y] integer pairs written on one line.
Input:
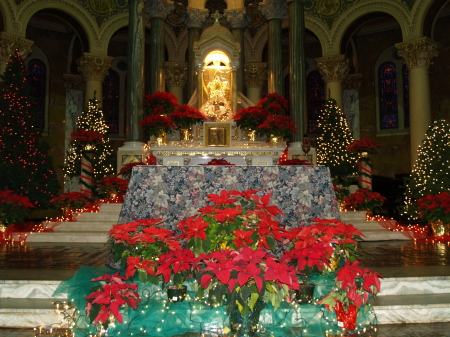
{"points": [[92, 226], [29, 312], [28, 288], [401, 286], [74, 236], [383, 235], [426, 308], [100, 216]]}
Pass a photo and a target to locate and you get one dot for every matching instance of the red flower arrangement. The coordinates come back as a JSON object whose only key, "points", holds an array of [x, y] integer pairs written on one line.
{"points": [[216, 161], [106, 186], [153, 125], [160, 103], [107, 299], [185, 116], [74, 200], [364, 200], [275, 104], [85, 137], [276, 125], [13, 207], [293, 162], [364, 145], [435, 207], [250, 118]]}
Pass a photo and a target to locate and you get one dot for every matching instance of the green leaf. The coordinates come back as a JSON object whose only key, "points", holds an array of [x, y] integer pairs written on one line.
{"points": [[271, 242], [253, 299]]}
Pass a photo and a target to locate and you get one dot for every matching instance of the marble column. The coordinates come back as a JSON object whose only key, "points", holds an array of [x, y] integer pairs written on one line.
{"points": [[417, 55], [234, 83], [134, 149], [274, 11], [194, 22], [255, 78], [8, 44], [176, 74], [94, 68], [237, 19], [297, 68], [157, 11], [333, 69]]}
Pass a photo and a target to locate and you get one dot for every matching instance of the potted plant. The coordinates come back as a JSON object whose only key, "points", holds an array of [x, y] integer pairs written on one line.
{"points": [[157, 125], [13, 208], [112, 188], [104, 303], [364, 146], [277, 127], [249, 119], [354, 287], [184, 117], [364, 200], [275, 104], [71, 201], [86, 140], [435, 208], [160, 103], [125, 171]]}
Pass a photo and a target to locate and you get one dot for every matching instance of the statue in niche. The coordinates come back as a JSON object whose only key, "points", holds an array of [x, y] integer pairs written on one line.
{"points": [[217, 107]]}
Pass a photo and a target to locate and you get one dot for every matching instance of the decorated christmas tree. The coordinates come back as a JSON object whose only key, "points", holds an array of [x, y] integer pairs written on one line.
{"points": [[25, 166], [90, 141], [431, 172], [332, 143]]}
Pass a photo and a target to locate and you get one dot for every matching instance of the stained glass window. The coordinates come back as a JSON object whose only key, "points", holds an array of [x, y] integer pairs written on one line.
{"points": [[315, 97], [37, 80], [406, 94], [387, 85], [111, 100]]}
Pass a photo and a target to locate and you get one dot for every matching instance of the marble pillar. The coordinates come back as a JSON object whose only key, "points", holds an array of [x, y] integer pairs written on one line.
{"points": [[94, 68], [176, 74], [237, 19], [274, 11], [255, 78], [333, 69], [417, 55], [8, 44], [194, 22], [297, 68], [157, 11]]}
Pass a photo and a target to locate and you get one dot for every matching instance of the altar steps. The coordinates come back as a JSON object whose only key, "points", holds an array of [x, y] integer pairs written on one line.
{"points": [[372, 230], [89, 227], [425, 299]]}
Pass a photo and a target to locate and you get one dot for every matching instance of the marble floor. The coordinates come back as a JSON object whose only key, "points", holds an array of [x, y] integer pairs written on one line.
{"points": [[390, 258]]}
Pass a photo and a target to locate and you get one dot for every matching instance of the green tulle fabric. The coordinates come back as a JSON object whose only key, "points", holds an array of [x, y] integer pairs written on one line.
{"points": [[155, 316]]}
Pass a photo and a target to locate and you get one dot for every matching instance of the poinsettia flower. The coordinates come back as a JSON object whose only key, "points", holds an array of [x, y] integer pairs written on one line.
{"points": [[264, 205], [193, 227], [242, 237], [135, 263], [222, 199], [227, 214]]}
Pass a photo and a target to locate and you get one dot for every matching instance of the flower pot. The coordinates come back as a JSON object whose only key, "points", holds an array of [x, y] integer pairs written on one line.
{"points": [[247, 325], [251, 134], [176, 294], [346, 318], [160, 140], [306, 293], [275, 140], [439, 228]]}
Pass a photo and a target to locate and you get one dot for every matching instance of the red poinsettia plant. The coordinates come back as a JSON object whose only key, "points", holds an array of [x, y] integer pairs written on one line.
{"points": [[364, 200], [185, 116], [13, 207], [295, 161], [216, 161], [74, 200], [355, 286], [112, 186], [278, 126], [435, 207], [154, 125], [86, 137], [250, 118], [275, 104], [160, 103], [364, 145], [108, 298]]}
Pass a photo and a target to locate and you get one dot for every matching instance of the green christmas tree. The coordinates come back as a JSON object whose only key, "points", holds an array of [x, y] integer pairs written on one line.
{"points": [[332, 143], [431, 172], [25, 167], [103, 161]]}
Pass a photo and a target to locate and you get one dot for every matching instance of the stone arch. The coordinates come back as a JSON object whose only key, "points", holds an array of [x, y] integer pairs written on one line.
{"points": [[108, 29], [176, 45], [319, 29], [29, 8], [398, 11], [254, 47], [429, 13]]}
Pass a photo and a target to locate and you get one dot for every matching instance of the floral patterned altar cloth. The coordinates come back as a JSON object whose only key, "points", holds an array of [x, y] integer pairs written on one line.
{"points": [[177, 192]]}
